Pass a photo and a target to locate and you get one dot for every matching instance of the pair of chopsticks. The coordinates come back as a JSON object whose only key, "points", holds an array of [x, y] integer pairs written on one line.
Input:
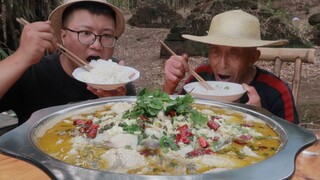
{"points": [[80, 62], [196, 75]]}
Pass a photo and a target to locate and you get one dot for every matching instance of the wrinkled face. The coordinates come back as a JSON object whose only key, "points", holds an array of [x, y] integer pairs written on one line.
{"points": [[231, 64], [83, 20]]}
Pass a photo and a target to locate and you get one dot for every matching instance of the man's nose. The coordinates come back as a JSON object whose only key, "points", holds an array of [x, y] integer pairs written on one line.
{"points": [[224, 60], [96, 43]]}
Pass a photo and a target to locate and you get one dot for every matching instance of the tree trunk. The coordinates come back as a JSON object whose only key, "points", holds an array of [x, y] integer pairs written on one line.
{"points": [[3, 23]]}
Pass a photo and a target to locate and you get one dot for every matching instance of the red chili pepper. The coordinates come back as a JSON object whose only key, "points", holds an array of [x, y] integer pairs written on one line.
{"points": [[88, 127], [146, 152], [246, 137], [81, 130], [182, 138], [216, 138], [239, 141], [143, 126], [199, 152], [92, 133], [91, 130], [207, 151], [203, 142], [184, 134], [247, 125], [172, 113], [194, 153], [78, 122], [185, 130], [89, 122], [95, 126], [262, 147], [213, 125], [215, 117], [143, 118]]}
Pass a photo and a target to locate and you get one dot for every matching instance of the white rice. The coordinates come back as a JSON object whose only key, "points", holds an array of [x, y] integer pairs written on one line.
{"points": [[105, 72]]}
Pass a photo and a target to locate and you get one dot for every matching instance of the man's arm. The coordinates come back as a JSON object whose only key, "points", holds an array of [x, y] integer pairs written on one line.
{"points": [[174, 71], [35, 39]]}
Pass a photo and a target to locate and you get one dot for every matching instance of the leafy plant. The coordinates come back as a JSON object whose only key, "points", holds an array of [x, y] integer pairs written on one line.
{"points": [[149, 104], [4, 54]]}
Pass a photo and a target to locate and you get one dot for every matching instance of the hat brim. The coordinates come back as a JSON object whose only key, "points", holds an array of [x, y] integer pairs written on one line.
{"points": [[56, 18], [235, 42]]}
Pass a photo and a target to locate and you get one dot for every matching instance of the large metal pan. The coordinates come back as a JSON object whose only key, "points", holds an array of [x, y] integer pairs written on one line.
{"points": [[20, 143]]}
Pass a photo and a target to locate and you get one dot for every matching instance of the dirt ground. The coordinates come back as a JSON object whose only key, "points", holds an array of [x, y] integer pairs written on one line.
{"points": [[139, 48]]}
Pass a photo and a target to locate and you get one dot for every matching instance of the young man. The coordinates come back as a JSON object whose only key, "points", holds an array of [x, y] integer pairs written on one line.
{"points": [[30, 82], [233, 39]]}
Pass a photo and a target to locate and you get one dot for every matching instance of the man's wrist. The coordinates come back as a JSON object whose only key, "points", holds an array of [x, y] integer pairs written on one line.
{"points": [[167, 88]]}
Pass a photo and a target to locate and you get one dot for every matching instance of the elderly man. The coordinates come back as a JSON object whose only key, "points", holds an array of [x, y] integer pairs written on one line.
{"points": [[233, 39], [30, 82]]}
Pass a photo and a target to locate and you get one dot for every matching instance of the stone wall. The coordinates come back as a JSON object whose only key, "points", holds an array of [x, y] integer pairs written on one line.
{"points": [[154, 14]]}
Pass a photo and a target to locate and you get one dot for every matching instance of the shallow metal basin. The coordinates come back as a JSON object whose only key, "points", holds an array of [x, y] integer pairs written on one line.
{"points": [[20, 143]]}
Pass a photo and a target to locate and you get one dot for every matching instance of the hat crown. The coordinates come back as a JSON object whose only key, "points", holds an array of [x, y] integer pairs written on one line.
{"points": [[235, 24], [235, 28], [56, 16]]}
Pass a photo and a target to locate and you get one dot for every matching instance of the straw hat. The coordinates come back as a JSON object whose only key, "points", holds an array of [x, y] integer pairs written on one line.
{"points": [[56, 16], [235, 28]]}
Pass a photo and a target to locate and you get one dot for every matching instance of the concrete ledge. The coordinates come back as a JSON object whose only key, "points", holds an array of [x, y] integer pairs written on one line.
{"points": [[7, 123], [6, 120]]}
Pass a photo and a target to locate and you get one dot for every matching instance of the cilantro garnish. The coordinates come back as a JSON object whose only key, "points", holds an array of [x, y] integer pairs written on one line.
{"points": [[198, 118], [168, 142], [150, 104], [130, 129]]}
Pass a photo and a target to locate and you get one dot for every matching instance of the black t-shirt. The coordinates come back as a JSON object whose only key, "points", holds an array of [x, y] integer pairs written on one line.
{"points": [[43, 85], [274, 94]]}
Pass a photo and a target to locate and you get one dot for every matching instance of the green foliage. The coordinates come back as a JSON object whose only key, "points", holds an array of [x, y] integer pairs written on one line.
{"points": [[268, 7], [277, 24], [149, 104], [198, 118], [4, 54], [32, 10], [132, 4], [132, 128], [167, 142], [123, 4]]}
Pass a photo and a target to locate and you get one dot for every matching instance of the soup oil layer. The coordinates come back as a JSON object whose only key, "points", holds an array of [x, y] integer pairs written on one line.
{"points": [[157, 135]]}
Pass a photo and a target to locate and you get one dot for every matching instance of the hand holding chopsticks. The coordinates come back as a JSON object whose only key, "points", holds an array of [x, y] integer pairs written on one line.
{"points": [[66, 52], [197, 76]]}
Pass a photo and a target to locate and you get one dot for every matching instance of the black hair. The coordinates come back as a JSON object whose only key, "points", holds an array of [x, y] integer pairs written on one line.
{"points": [[92, 7]]}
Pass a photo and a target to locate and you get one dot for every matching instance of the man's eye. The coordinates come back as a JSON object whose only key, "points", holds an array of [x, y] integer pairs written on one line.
{"points": [[215, 53], [107, 36], [85, 33], [234, 54]]}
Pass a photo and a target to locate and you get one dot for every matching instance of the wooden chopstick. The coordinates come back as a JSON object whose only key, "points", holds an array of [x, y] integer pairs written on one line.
{"points": [[195, 74], [65, 51]]}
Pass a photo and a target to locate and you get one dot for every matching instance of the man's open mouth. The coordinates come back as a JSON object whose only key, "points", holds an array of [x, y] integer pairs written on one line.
{"points": [[224, 77], [93, 58]]}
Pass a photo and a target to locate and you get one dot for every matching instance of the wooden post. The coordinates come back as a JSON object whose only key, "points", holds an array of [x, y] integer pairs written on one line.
{"points": [[296, 79], [288, 54], [294, 55], [277, 67]]}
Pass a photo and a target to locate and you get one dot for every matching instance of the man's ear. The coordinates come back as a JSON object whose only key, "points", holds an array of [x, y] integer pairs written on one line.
{"points": [[256, 56], [62, 35]]}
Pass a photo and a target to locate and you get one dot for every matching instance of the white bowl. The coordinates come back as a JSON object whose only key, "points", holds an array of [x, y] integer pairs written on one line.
{"points": [[222, 91], [135, 74]]}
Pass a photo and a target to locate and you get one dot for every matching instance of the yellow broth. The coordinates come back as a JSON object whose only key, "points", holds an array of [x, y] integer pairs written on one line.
{"points": [[56, 142]]}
